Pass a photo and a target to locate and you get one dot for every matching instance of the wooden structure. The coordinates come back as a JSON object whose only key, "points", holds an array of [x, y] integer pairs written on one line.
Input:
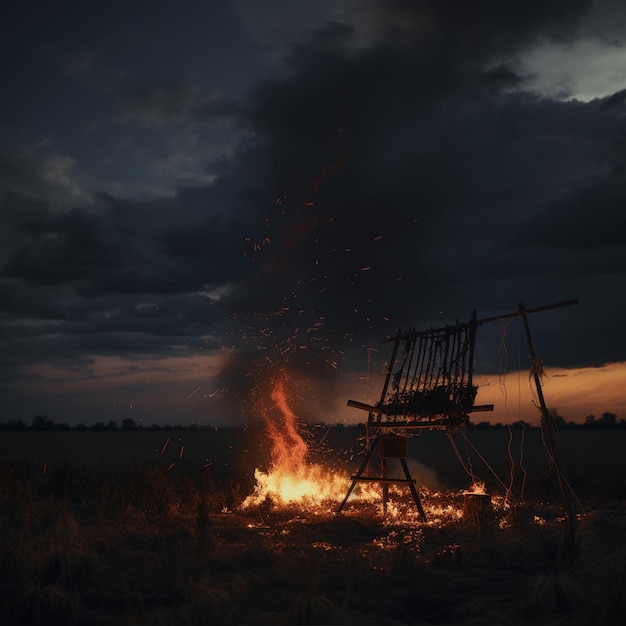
{"points": [[429, 384]]}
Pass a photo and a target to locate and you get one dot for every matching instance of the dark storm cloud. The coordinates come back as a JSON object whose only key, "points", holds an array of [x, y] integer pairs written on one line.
{"points": [[592, 217], [453, 34], [39, 174], [399, 179], [116, 246], [174, 102], [160, 102], [402, 167]]}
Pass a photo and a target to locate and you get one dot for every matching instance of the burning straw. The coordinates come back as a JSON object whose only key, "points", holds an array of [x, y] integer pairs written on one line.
{"points": [[291, 478]]}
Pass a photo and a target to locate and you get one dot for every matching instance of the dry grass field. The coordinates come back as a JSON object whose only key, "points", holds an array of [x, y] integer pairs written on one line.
{"points": [[146, 528]]}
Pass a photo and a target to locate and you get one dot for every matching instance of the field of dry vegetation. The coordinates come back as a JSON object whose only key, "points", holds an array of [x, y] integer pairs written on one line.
{"points": [[158, 537]]}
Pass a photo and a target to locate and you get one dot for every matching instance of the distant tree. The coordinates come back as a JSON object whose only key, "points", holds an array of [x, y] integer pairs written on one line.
{"points": [[590, 421], [128, 423], [98, 426], [110, 425], [80, 426], [62, 426], [607, 420], [42, 422], [560, 422], [14, 424]]}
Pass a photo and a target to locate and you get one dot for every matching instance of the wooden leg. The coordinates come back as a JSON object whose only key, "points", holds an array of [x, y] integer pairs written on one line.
{"points": [[383, 463], [355, 478], [414, 493]]}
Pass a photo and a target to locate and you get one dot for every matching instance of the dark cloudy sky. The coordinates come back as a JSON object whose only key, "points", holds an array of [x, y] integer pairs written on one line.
{"points": [[194, 194]]}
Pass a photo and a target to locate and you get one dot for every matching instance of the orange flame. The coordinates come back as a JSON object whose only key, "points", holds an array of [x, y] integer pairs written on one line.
{"points": [[289, 449], [291, 478], [477, 488]]}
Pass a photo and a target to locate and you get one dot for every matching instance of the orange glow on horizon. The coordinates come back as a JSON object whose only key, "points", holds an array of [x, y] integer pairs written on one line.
{"points": [[573, 393]]}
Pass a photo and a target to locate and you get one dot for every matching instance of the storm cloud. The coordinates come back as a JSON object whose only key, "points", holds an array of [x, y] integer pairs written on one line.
{"points": [[391, 170]]}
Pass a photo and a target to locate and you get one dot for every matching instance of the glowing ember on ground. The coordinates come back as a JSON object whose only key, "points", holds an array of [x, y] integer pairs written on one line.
{"points": [[310, 484], [477, 488]]}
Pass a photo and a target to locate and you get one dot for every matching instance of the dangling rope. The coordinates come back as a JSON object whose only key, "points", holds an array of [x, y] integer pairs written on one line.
{"points": [[552, 424], [503, 357], [521, 462], [469, 458], [482, 458], [503, 354], [468, 467], [511, 459]]}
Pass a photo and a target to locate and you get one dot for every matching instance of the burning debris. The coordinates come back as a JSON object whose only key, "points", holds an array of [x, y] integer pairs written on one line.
{"points": [[291, 477], [293, 482]]}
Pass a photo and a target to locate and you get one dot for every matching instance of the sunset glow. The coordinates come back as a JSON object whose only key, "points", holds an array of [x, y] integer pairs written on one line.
{"points": [[573, 393]]}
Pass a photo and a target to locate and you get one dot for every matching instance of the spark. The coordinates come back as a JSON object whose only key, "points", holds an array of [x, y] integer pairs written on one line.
{"points": [[193, 393]]}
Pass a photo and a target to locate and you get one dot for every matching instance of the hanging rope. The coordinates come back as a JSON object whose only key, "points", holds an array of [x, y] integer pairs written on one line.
{"points": [[511, 459], [521, 462], [482, 458], [467, 468], [503, 358]]}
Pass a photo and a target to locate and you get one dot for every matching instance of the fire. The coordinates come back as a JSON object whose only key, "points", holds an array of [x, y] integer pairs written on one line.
{"points": [[291, 478], [478, 488]]}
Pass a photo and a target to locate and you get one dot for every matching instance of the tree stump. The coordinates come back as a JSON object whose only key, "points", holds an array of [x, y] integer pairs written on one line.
{"points": [[478, 513]]}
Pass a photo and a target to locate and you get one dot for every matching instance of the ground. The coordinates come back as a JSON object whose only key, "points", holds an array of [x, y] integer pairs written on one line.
{"points": [[95, 540], [153, 549]]}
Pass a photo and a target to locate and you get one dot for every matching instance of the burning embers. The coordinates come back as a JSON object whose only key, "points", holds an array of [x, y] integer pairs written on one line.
{"points": [[293, 480], [291, 477]]}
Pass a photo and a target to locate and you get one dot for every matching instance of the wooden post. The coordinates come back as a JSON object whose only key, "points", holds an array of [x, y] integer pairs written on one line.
{"points": [[546, 427], [478, 513], [477, 507], [383, 462]]}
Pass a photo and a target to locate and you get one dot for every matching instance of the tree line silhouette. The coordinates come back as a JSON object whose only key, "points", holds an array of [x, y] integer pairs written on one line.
{"points": [[43, 422], [607, 421]]}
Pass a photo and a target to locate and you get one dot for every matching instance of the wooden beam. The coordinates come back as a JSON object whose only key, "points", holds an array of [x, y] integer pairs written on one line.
{"points": [[495, 318], [517, 313], [382, 410], [374, 479]]}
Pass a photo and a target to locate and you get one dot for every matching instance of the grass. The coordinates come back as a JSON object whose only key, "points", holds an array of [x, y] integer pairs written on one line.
{"points": [[130, 543]]}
